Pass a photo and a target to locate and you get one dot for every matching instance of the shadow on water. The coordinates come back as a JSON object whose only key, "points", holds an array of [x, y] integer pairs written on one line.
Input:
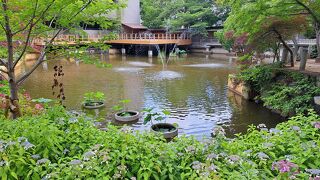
{"points": [[193, 89]]}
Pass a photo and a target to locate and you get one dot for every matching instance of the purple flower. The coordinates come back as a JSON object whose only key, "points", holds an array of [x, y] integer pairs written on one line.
{"points": [[234, 158], [42, 161], [262, 156], [27, 145], [88, 155], [283, 166], [316, 125], [313, 171], [35, 156], [196, 165], [212, 156], [274, 131], [296, 128]]}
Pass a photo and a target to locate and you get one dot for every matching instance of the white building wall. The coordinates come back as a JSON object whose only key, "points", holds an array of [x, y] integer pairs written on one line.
{"points": [[131, 14]]}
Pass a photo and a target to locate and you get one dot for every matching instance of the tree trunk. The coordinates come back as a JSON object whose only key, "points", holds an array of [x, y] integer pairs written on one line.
{"points": [[14, 99], [285, 45]]}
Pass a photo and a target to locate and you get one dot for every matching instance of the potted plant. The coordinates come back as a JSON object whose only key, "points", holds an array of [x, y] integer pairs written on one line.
{"points": [[169, 131], [93, 100], [124, 115]]}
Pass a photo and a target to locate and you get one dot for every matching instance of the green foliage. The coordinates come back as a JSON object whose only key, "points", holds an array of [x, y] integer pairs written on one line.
{"points": [[94, 97], [173, 15], [4, 88], [257, 77], [122, 105], [64, 145], [314, 52], [288, 92], [227, 43], [293, 94], [150, 115]]}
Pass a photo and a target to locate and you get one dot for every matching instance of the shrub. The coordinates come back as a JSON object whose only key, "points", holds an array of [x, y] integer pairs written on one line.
{"points": [[288, 92], [61, 144]]}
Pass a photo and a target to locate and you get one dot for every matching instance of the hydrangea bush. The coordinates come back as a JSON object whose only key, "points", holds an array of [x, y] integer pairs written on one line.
{"points": [[59, 144]]}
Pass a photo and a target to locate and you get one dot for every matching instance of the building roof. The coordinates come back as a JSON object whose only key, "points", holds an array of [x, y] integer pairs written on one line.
{"points": [[134, 26]]}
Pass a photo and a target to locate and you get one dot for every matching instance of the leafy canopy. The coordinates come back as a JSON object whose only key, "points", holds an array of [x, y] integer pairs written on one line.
{"points": [[175, 14]]}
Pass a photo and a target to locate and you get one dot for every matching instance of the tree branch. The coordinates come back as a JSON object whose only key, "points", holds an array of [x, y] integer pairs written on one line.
{"points": [[39, 61], [314, 16], [1, 70], [30, 21], [3, 63]]}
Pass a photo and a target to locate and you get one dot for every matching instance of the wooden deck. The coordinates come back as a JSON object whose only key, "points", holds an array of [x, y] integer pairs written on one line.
{"points": [[138, 39]]}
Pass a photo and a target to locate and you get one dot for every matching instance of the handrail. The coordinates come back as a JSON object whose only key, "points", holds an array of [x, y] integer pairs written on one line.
{"points": [[121, 36]]}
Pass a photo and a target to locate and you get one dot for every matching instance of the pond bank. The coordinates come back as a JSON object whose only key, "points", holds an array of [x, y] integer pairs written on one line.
{"points": [[283, 91]]}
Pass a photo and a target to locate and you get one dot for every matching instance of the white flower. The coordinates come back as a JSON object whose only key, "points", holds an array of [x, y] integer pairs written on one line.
{"points": [[75, 162], [190, 149], [35, 156], [233, 159], [196, 165], [73, 120], [212, 167], [212, 156], [42, 161], [127, 129], [2, 163], [88, 155], [296, 128], [313, 171], [267, 145], [274, 131], [262, 156], [261, 126], [20, 139], [65, 151]]}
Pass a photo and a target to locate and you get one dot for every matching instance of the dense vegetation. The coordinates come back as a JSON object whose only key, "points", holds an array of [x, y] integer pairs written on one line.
{"points": [[268, 25], [58, 144], [282, 90], [195, 15]]}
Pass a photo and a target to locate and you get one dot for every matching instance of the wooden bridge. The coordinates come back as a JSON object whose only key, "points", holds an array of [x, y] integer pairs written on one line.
{"points": [[124, 38], [303, 42]]}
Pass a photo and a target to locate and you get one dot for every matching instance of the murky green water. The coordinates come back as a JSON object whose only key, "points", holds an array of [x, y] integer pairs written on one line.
{"points": [[193, 88]]}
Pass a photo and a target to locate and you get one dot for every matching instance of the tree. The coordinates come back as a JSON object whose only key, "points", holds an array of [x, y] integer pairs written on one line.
{"points": [[22, 21], [175, 14], [255, 17]]}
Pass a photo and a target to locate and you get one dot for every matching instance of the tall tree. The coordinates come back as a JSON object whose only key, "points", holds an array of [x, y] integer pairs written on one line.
{"points": [[175, 14], [22, 21], [252, 16]]}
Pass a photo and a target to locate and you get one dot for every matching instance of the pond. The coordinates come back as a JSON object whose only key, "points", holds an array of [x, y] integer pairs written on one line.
{"points": [[193, 88]]}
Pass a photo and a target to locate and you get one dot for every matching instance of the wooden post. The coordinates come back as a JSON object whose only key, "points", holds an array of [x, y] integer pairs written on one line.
{"points": [[303, 60]]}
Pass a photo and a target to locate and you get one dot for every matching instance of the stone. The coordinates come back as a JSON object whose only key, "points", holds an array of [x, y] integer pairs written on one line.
{"points": [[303, 59], [317, 100]]}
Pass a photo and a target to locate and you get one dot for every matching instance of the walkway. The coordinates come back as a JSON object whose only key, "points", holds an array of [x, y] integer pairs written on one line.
{"points": [[133, 38]]}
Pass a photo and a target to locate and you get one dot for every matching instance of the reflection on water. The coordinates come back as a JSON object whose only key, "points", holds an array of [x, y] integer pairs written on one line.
{"points": [[194, 89]]}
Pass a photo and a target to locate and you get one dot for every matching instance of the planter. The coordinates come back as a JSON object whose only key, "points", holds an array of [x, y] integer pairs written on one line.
{"points": [[93, 105], [127, 116], [168, 130]]}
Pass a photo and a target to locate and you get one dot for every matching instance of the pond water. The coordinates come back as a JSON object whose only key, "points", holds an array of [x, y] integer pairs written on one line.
{"points": [[193, 89]]}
